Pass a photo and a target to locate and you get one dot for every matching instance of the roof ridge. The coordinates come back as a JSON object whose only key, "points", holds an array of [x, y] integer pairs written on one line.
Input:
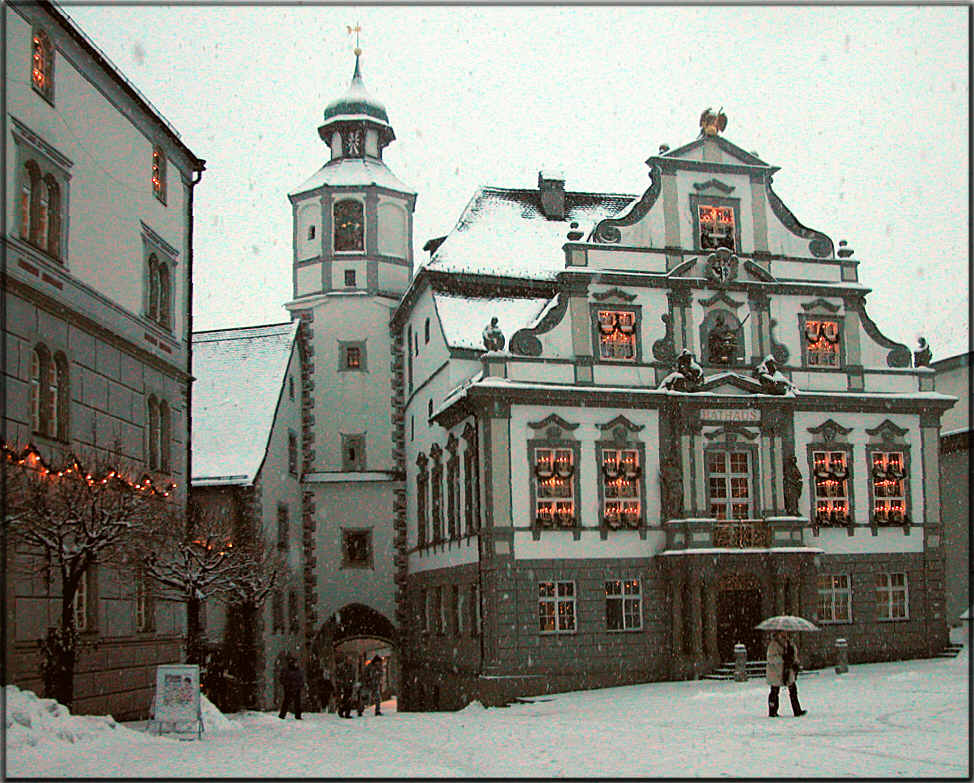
{"points": [[241, 328], [567, 192]]}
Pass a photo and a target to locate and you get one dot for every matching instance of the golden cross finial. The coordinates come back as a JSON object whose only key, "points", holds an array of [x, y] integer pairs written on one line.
{"points": [[356, 29]]}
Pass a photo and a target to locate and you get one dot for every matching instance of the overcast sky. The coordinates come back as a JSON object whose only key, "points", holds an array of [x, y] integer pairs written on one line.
{"points": [[865, 109]]}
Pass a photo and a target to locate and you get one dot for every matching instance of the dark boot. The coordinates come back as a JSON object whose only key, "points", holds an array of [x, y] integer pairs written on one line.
{"points": [[773, 702], [796, 708]]}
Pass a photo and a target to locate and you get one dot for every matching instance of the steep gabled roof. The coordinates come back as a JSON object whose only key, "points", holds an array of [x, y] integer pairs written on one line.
{"points": [[503, 231], [239, 378]]}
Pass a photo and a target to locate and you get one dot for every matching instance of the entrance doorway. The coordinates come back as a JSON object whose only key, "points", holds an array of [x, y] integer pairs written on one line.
{"points": [[738, 611]]}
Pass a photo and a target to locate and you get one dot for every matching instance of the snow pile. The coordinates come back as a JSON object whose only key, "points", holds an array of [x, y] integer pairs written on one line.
{"points": [[215, 721], [31, 720], [474, 706]]}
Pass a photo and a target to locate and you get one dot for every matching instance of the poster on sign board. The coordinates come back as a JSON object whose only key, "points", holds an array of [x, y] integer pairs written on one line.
{"points": [[177, 698]]}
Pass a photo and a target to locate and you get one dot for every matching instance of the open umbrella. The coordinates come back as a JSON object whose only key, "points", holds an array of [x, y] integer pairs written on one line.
{"points": [[787, 622]]}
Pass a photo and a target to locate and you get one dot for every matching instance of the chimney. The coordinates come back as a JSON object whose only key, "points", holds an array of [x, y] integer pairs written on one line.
{"points": [[552, 187]]}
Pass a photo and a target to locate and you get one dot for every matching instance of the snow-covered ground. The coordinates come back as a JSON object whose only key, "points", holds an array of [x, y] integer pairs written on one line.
{"points": [[909, 718]]}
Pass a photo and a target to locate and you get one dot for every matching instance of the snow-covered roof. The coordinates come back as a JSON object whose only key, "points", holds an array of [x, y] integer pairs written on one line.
{"points": [[353, 172], [503, 231], [239, 375], [463, 318]]}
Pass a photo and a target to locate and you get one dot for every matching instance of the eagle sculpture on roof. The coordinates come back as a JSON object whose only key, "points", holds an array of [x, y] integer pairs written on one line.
{"points": [[710, 123]]}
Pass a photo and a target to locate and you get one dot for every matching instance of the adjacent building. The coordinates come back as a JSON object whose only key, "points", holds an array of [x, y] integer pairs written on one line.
{"points": [[97, 305]]}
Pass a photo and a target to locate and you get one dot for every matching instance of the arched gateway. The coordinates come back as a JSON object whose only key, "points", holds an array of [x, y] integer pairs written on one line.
{"points": [[360, 632]]}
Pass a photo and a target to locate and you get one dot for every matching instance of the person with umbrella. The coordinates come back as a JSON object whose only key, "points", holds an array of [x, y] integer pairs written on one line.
{"points": [[782, 670], [782, 659]]}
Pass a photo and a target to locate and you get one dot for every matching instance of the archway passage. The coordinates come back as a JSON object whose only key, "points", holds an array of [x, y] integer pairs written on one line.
{"points": [[738, 611], [359, 633]]}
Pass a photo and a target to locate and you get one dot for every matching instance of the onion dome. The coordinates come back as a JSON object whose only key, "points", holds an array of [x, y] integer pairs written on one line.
{"points": [[356, 107]]}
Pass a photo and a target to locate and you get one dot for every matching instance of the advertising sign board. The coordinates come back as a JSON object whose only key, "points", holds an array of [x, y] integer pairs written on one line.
{"points": [[176, 704]]}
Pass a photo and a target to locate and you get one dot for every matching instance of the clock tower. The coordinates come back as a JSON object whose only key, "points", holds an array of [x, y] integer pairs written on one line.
{"points": [[352, 261]]}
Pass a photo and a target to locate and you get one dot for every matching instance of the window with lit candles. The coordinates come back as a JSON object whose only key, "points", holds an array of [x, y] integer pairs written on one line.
{"points": [[617, 334], [830, 471], [729, 484], [620, 474], [556, 607], [349, 226], [888, 480], [159, 173], [554, 477], [623, 605], [821, 342], [892, 597], [716, 225], [42, 65]]}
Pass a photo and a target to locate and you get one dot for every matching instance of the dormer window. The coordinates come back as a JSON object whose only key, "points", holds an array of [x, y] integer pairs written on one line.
{"points": [[353, 143], [716, 226], [617, 334], [349, 231], [822, 342]]}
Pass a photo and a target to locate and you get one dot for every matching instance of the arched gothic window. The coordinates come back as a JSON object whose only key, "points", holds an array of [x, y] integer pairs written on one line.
{"points": [[165, 435], [49, 393], [153, 433], [42, 64], [53, 245], [153, 305], [165, 295], [61, 396], [38, 366], [349, 226], [30, 176]]}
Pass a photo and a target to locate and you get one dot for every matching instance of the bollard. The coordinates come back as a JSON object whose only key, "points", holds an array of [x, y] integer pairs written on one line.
{"points": [[841, 656], [740, 663]]}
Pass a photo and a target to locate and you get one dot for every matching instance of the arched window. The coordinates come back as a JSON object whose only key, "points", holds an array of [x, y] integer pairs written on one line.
{"points": [[165, 295], [349, 226], [29, 176], [165, 436], [159, 174], [52, 397], [153, 433], [42, 64], [61, 397], [53, 191], [153, 307], [39, 220], [38, 366]]}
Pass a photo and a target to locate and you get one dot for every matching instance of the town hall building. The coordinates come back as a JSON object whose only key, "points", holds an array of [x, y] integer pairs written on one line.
{"points": [[595, 438]]}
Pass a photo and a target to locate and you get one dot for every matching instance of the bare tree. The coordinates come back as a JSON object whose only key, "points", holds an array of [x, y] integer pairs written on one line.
{"points": [[70, 518]]}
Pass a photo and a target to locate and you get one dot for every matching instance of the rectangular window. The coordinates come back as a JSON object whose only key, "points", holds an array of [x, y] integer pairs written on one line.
{"points": [[445, 595], [141, 604], [80, 605], [822, 343], [453, 496], [892, 597], [475, 609], [716, 227], [311, 231], [834, 598], [427, 610], [350, 278], [159, 173], [277, 611], [889, 487], [283, 527], [437, 617], [292, 453], [556, 607], [436, 502], [353, 453], [422, 523], [729, 484], [620, 488], [831, 472], [356, 548], [460, 597], [292, 611], [617, 334], [351, 356], [554, 471], [623, 605]]}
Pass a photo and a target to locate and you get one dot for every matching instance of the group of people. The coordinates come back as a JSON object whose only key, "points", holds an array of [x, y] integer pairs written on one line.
{"points": [[348, 692]]}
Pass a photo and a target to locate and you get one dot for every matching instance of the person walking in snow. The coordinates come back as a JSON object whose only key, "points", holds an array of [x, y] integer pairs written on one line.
{"points": [[292, 678], [372, 685], [345, 683], [782, 670]]}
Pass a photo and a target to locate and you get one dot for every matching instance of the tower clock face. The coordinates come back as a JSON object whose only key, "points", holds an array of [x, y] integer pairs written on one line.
{"points": [[353, 142]]}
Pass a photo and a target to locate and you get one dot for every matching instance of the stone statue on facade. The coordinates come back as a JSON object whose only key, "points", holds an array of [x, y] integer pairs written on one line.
{"points": [[771, 378], [922, 355], [671, 486], [792, 485], [687, 376], [493, 336], [721, 343]]}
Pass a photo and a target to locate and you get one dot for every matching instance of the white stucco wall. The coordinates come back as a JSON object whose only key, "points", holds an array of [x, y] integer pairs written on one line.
{"points": [[110, 187], [308, 280], [393, 228], [307, 213]]}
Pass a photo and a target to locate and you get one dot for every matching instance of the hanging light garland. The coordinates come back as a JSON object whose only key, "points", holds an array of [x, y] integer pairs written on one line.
{"points": [[32, 458]]}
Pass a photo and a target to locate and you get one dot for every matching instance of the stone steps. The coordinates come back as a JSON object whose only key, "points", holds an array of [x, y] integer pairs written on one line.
{"points": [[950, 651]]}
